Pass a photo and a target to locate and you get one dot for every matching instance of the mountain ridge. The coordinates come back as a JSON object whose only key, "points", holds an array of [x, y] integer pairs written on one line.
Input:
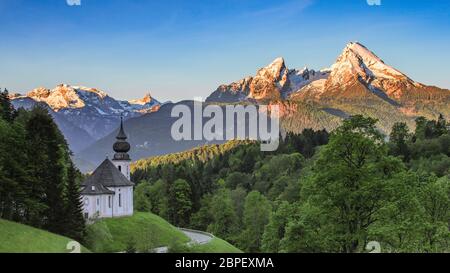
{"points": [[357, 76], [84, 114]]}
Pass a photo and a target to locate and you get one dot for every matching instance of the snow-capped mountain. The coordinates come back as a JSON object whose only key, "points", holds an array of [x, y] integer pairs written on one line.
{"points": [[357, 63], [359, 73], [90, 110], [359, 82], [272, 82], [65, 97]]}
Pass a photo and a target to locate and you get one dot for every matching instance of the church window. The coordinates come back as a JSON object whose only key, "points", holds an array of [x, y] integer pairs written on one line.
{"points": [[120, 168], [98, 202], [109, 201], [120, 200]]}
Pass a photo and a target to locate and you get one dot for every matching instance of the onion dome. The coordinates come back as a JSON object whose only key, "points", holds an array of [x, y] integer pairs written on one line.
{"points": [[121, 147]]}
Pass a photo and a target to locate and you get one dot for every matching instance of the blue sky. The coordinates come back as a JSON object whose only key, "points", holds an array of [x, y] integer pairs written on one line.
{"points": [[181, 49]]}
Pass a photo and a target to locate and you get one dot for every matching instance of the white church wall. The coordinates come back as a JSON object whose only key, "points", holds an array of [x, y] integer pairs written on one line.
{"points": [[123, 201], [104, 206], [123, 166]]}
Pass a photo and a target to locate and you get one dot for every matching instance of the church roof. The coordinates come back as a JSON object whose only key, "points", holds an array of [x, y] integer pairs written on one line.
{"points": [[121, 135], [106, 175], [95, 189]]}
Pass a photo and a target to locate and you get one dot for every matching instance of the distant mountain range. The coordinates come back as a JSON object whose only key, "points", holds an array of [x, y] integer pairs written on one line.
{"points": [[359, 82], [84, 115]]}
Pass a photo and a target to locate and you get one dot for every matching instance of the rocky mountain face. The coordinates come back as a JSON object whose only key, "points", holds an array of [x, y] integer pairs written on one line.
{"points": [[83, 114], [359, 82], [358, 66], [273, 82]]}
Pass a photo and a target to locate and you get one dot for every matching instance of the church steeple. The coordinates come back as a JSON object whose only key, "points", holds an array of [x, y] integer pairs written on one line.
{"points": [[121, 158], [121, 135], [121, 147]]}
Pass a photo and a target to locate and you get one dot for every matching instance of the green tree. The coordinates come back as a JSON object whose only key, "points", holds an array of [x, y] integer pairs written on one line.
{"points": [[235, 179], [48, 153], [201, 219], [180, 204], [275, 231], [351, 179], [158, 198], [7, 111], [441, 125], [75, 225], [398, 139], [257, 211], [142, 197], [223, 213], [435, 198]]}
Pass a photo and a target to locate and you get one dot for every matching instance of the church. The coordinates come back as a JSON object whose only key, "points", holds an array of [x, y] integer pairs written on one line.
{"points": [[108, 192]]}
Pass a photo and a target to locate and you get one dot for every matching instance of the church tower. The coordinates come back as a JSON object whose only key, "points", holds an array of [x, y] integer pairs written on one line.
{"points": [[121, 158]]}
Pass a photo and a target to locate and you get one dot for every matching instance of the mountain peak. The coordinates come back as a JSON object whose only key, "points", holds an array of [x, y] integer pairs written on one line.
{"points": [[360, 51], [358, 63], [63, 96], [145, 100], [278, 61], [274, 70]]}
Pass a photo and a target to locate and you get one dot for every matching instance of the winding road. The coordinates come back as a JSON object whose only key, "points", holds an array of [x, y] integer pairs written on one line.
{"points": [[197, 238]]}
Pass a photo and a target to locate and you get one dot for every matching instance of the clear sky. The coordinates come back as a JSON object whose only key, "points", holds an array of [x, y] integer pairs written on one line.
{"points": [[181, 49]]}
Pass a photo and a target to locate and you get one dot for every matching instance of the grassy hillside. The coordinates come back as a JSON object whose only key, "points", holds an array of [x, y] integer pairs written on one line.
{"points": [[143, 231], [18, 238]]}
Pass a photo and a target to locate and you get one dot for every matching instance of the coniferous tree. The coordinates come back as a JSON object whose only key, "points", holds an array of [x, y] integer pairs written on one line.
{"points": [[441, 125], [6, 109], [75, 227], [46, 149]]}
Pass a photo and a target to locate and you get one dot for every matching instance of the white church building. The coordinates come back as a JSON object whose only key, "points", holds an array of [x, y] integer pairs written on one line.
{"points": [[108, 192]]}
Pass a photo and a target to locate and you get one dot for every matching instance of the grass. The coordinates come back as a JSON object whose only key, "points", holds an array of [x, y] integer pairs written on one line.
{"points": [[144, 231], [215, 246], [18, 238]]}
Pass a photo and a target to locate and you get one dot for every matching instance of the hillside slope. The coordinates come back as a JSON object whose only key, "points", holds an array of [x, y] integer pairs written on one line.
{"points": [[144, 232], [18, 238]]}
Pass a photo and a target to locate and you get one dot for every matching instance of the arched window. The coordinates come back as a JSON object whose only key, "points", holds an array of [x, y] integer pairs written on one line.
{"points": [[120, 200], [120, 168]]}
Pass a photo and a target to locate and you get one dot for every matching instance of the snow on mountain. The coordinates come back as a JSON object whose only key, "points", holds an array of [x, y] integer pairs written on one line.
{"points": [[272, 82], [359, 73], [145, 105], [358, 60], [357, 63], [88, 109]]}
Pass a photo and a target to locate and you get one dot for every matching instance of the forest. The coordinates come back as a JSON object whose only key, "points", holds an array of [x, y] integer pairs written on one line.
{"points": [[319, 192], [39, 185]]}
